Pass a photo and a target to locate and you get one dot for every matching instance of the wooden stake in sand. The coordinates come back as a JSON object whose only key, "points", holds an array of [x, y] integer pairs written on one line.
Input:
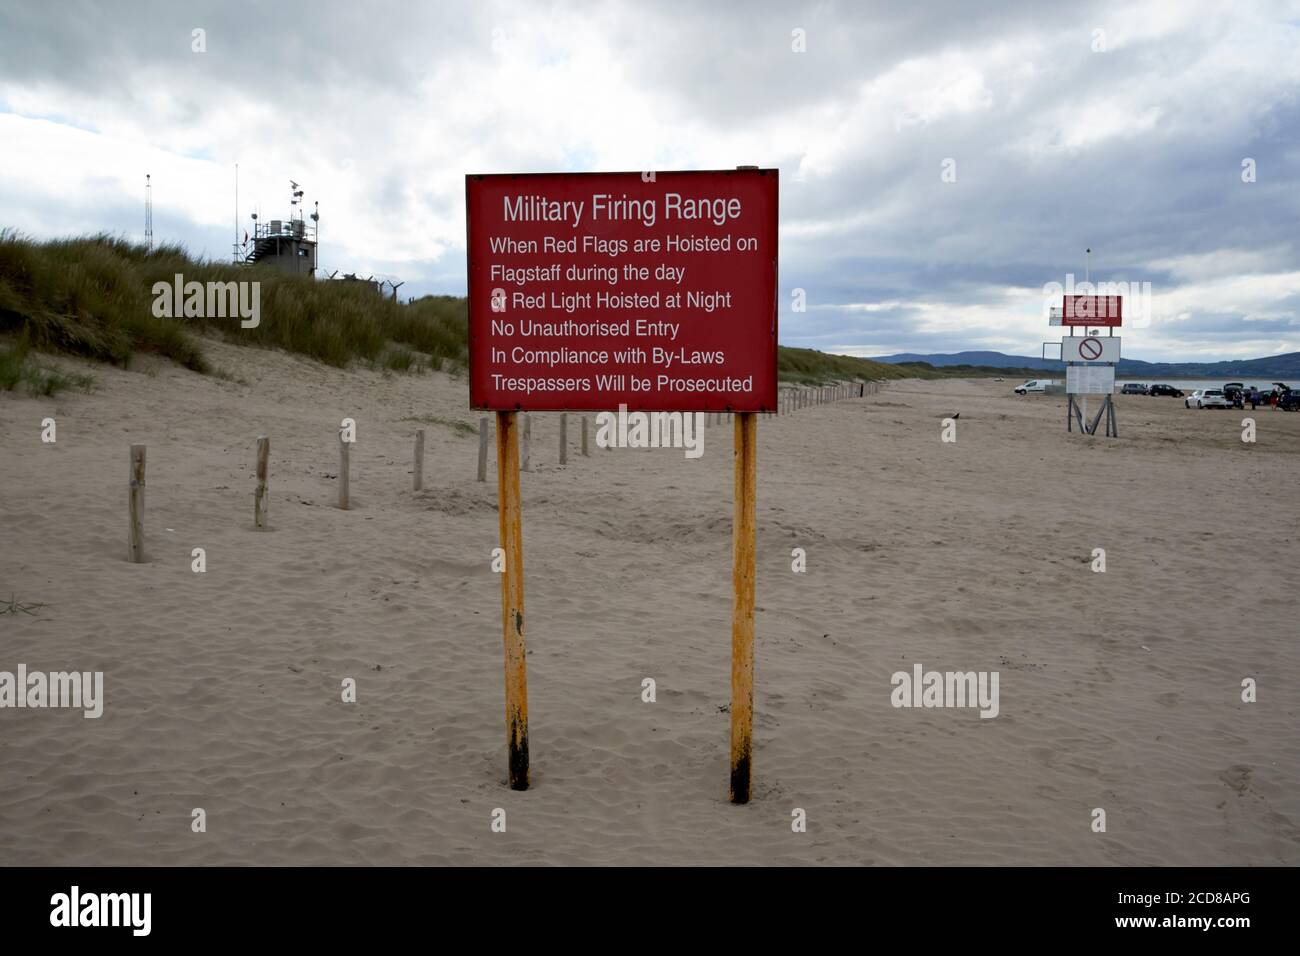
{"points": [[259, 495], [564, 438], [742, 607], [483, 429], [512, 598], [135, 500], [344, 479], [585, 453], [418, 481]]}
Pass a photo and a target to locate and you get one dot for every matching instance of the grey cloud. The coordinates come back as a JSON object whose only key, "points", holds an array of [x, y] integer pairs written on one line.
{"points": [[343, 77]]}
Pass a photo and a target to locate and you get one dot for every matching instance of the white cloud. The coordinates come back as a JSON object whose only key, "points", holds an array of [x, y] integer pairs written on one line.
{"points": [[380, 111]]}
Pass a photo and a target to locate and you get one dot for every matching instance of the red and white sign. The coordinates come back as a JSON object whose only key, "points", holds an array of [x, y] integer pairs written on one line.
{"points": [[591, 290], [1090, 348], [1100, 310]]}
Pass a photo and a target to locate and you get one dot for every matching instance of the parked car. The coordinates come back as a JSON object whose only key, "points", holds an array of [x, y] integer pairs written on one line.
{"points": [[1289, 401], [1033, 385], [1133, 388], [1235, 392], [1207, 398], [1165, 390]]}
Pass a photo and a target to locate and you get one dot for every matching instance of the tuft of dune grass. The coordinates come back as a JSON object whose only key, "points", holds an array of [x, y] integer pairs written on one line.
{"points": [[19, 367]]}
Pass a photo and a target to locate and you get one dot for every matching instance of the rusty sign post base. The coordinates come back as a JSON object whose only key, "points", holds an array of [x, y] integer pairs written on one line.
{"points": [[512, 598], [742, 607]]}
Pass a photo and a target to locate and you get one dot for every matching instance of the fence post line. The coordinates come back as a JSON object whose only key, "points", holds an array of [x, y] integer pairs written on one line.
{"points": [[135, 501], [418, 481], [259, 496]]}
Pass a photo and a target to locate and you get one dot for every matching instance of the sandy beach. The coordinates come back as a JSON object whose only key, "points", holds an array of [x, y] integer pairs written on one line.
{"points": [[1118, 690]]}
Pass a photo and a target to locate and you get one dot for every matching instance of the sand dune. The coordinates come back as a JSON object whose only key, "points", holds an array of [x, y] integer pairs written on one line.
{"points": [[1119, 690]]}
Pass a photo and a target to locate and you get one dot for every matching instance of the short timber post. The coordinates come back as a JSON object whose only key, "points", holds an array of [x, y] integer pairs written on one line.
{"points": [[135, 501], [344, 476], [418, 481], [483, 427], [259, 496]]}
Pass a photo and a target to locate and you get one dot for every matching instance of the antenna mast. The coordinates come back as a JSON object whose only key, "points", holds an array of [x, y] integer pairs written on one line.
{"points": [[148, 211]]}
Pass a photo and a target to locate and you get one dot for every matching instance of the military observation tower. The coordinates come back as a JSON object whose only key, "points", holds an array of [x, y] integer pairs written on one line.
{"points": [[285, 244]]}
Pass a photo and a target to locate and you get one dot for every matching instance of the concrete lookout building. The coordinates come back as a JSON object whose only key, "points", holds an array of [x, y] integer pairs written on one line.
{"points": [[286, 244]]}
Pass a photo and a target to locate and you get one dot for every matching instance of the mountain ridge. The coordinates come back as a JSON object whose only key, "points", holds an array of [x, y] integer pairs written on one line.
{"points": [[1285, 364]]}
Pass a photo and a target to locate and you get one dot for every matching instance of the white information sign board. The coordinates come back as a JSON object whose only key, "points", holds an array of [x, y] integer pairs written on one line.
{"points": [[1090, 379]]}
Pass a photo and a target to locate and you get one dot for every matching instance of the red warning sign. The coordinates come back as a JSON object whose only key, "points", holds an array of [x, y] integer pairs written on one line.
{"points": [[1104, 310], [592, 290]]}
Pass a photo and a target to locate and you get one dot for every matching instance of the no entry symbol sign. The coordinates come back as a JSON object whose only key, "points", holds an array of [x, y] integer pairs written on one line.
{"points": [[1090, 348]]}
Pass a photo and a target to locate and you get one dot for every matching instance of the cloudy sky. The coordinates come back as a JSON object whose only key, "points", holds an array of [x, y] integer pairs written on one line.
{"points": [[1129, 128]]}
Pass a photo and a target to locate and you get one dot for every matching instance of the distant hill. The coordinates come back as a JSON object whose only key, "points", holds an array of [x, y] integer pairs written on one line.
{"points": [[1283, 367], [809, 366], [986, 359]]}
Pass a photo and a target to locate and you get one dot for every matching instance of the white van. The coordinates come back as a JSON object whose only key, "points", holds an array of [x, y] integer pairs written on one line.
{"points": [[1033, 385]]}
